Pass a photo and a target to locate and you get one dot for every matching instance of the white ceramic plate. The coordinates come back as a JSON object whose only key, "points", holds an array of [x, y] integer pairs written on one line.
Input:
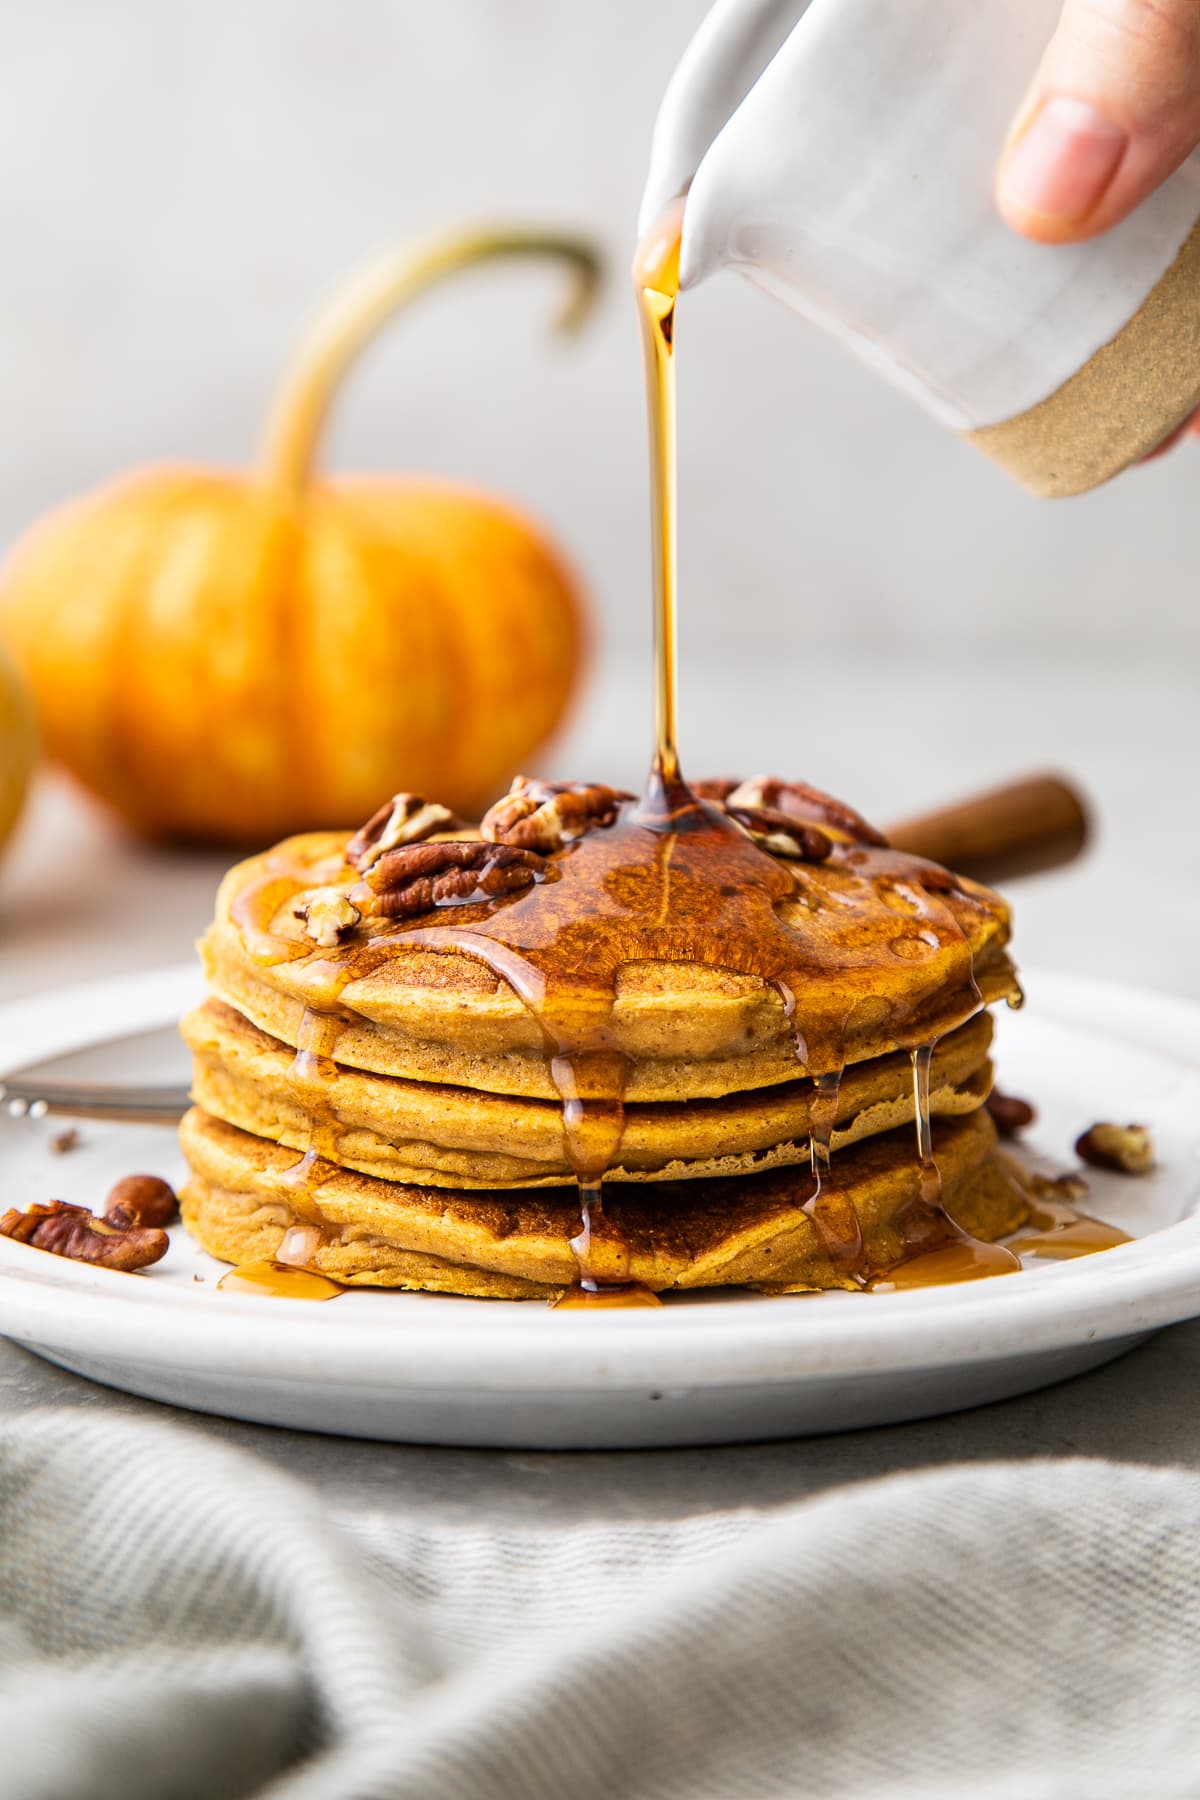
{"points": [[432, 1369]]}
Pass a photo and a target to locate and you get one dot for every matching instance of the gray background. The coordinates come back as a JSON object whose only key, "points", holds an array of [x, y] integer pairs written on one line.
{"points": [[866, 602], [182, 182]]}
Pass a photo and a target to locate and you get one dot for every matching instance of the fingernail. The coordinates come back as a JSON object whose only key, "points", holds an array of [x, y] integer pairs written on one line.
{"points": [[1061, 165]]}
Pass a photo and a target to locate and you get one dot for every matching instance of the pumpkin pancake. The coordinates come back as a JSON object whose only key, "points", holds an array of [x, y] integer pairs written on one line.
{"points": [[743, 1231], [427, 1046], [444, 1136], [888, 950]]}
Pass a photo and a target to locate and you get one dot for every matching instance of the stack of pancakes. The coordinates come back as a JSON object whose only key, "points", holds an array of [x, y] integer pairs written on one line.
{"points": [[393, 1120]]}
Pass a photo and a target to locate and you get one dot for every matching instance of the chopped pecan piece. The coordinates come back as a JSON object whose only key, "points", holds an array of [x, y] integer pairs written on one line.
{"points": [[62, 1141], [797, 800], [779, 834], [140, 1200], [1068, 1188], [328, 915], [1125, 1148], [404, 819], [1009, 1115], [72, 1231], [420, 877], [545, 815]]}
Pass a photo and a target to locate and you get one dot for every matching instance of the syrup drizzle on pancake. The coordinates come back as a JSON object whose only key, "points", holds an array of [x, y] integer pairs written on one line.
{"points": [[937, 1251], [312, 1079], [673, 879], [830, 1211]]}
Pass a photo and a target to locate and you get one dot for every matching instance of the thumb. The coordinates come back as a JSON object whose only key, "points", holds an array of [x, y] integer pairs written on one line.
{"points": [[1114, 108]]}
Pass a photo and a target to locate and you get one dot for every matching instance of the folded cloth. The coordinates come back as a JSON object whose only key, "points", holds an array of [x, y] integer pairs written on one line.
{"points": [[179, 1620]]}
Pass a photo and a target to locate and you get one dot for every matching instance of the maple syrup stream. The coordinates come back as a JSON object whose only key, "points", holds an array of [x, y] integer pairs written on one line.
{"points": [[656, 282]]}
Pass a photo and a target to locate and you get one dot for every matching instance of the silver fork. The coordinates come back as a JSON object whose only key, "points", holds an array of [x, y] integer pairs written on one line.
{"points": [[151, 1105], [45, 1088]]}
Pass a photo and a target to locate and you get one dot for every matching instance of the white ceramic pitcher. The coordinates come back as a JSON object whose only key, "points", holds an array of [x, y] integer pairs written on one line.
{"points": [[842, 154]]}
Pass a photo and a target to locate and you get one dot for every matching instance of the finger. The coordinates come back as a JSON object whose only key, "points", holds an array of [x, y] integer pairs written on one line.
{"points": [[1114, 108]]}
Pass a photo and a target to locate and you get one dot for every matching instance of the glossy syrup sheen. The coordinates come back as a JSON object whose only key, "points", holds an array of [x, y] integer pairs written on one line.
{"points": [[276, 1281], [674, 880], [1059, 1231], [656, 286]]}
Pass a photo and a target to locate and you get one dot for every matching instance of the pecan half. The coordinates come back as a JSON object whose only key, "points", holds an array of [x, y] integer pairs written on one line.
{"points": [[545, 815], [717, 787], [1009, 1115], [72, 1231], [782, 836], [420, 877], [328, 914], [404, 819], [1125, 1148], [797, 800], [140, 1200]]}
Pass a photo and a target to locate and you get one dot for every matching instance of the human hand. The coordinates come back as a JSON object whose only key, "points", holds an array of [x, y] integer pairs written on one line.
{"points": [[1113, 110]]}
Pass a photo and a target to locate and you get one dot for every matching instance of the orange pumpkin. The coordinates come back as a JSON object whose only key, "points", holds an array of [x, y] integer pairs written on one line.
{"points": [[18, 746], [235, 657]]}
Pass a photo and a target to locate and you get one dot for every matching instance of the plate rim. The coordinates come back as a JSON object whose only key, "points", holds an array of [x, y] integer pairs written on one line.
{"points": [[735, 1342]]}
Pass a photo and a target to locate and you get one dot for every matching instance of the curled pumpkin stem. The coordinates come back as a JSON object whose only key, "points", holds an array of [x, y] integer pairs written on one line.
{"points": [[344, 330]]}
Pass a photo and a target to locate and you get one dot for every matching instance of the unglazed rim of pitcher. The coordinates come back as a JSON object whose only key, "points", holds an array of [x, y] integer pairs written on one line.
{"points": [[1130, 395]]}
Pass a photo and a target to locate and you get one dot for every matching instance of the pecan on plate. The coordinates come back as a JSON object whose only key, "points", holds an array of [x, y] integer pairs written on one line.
{"points": [[73, 1231], [328, 915], [404, 819], [781, 835], [1124, 1148], [1067, 1188], [798, 800], [140, 1200], [545, 815], [1009, 1115], [419, 877]]}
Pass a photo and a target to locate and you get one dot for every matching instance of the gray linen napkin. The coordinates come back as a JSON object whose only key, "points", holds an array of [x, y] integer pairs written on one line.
{"points": [[178, 1620]]}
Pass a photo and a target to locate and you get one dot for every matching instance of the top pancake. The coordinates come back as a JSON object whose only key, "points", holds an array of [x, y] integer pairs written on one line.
{"points": [[882, 947]]}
